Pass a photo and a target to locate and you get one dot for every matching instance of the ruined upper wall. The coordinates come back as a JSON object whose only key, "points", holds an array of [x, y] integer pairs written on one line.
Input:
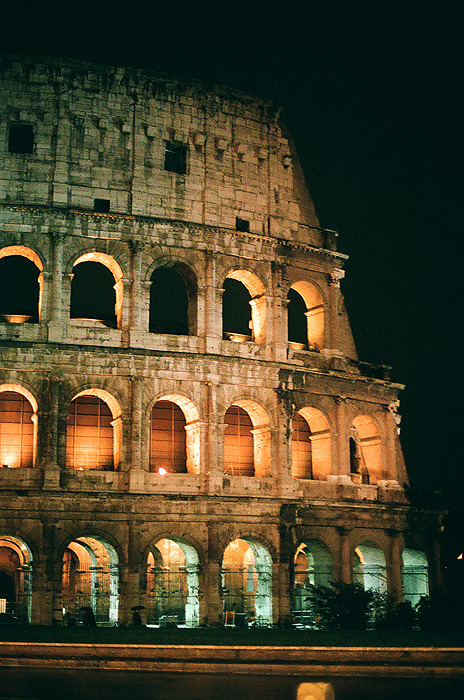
{"points": [[101, 132]]}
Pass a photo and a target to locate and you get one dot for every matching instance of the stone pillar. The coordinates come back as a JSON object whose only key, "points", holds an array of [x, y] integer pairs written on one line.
{"points": [[51, 466], [135, 320], [394, 565], [279, 314], [130, 589], [138, 468], [331, 332], [341, 453], [55, 325], [343, 565], [212, 331]]}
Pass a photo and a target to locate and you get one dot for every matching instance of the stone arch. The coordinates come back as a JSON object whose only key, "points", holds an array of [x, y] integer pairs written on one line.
{"points": [[244, 314], [106, 308], [172, 585], [246, 578], [415, 575], [365, 450], [21, 286], [90, 580], [313, 566], [173, 298], [16, 566], [311, 447], [191, 428], [18, 426], [369, 566], [306, 324], [94, 434], [247, 439]]}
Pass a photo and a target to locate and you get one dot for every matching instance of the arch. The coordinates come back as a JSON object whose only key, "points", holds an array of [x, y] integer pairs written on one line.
{"points": [[94, 431], [175, 435], [313, 566], [18, 426], [365, 450], [246, 577], [415, 575], [173, 300], [172, 596], [311, 445], [305, 315], [244, 307], [369, 568], [90, 580], [21, 285], [247, 439], [95, 294], [15, 577]]}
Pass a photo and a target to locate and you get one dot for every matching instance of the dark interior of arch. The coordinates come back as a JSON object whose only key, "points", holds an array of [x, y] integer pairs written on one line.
{"points": [[92, 293], [169, 300], [19, 288], [297, 322], [236, 309]]}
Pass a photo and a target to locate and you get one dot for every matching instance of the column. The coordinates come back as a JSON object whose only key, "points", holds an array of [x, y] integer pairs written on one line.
{"points": [[394, 565], [332, 334], [138, 469], [55, 325], [51, 466], [343, 565]]}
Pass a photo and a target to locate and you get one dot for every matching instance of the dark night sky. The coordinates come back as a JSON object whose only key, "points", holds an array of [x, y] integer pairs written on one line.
{"points": [[372, 93]]}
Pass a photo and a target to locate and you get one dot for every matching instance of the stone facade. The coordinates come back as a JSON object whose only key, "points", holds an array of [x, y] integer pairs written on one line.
{"points": [[118, 171]]}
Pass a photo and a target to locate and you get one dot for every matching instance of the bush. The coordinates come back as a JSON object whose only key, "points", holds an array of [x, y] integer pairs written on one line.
{"points": [[342, 606]]}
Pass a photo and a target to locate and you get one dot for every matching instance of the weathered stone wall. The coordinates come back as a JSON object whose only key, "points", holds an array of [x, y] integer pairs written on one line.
{"points": [[100, 133]]}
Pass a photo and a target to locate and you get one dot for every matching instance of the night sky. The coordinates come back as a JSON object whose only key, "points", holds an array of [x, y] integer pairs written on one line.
{"points": [[372, 94]]}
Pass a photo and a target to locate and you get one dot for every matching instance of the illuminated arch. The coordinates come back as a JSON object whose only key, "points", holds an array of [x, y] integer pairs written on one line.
{"points": [[369, 568], [33, 312], [255, 316], [313, 566], [247, 439], [18, 438], [94, 434], [16, 576], [365, 450], [173, 299], [313, 312], [246, 578], [311, 445], [90, 579], [172, 431], [172, 583], [115, 269], [415, 575]]}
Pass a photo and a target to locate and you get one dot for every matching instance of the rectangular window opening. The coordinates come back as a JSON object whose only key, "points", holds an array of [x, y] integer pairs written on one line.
{"points": [[242, 224], [175, 157], [21, 138], [102, 206]]}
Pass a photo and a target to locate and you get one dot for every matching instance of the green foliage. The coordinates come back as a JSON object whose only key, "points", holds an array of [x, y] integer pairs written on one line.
{"points": [[342, 606]]}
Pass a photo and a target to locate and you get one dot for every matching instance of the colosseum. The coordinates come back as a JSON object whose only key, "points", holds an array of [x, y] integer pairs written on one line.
{"points": [[185, 426]]}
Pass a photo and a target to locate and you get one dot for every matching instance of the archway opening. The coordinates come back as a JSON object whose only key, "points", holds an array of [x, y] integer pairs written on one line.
{"points": [[313, 566], [243, 308], [238, 443], [20, 289], [15, 578], [168, 444], [17, 430], [365, 451], [415, 575], [93, 293], [247, 582], [172, 584], [91, 428], [90, 582], [172, 301], [369, 568], [305, 316], [311, 445]]}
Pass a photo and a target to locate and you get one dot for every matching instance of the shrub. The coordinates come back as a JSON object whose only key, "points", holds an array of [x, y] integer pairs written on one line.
{"points": [[342, 606]]}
